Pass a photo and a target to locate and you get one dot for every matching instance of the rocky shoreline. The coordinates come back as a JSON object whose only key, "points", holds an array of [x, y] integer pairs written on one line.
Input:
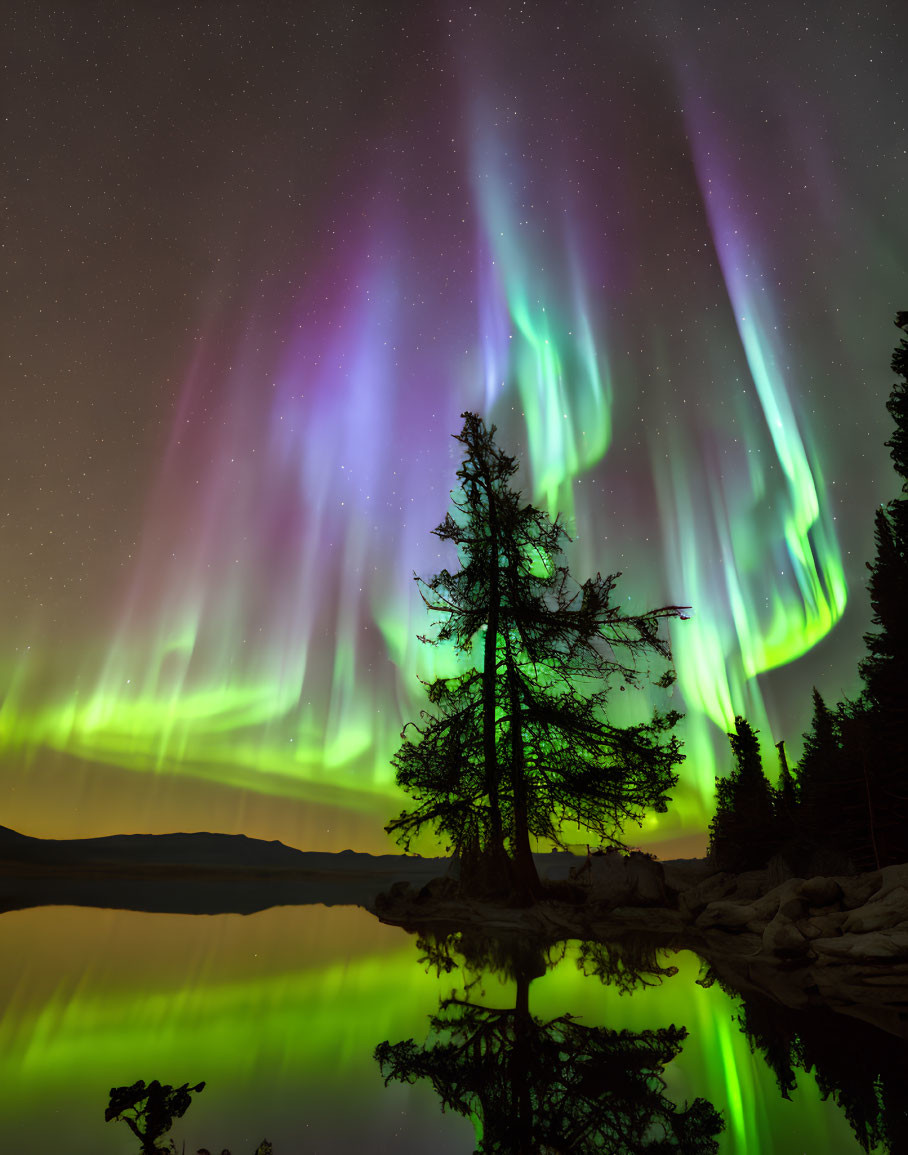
{"points": [[838, 943]]}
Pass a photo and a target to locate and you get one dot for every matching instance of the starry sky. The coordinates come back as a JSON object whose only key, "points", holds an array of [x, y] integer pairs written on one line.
{"points": [[257, 258]]}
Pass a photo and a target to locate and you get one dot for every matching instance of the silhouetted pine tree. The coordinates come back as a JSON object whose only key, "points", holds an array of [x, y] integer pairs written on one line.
{"points": [[833, 819], [857, 821], [884, 670], [853, 776], [743, 834], [883, 729], [819, 777], [785, 798], [821, 750], [521, 743]]}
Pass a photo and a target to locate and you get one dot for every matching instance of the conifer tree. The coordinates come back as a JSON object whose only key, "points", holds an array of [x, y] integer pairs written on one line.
{"points": [[885, 669], [878, 725], [819, 766], [787, 788], [784, 798], [832, 812], [743, 833], [520, 742], [860, 816], [854, 772]]}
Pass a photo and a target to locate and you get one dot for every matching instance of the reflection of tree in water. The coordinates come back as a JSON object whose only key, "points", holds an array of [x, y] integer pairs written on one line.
{"points": [[150, 1110], [626, 965], [546, 1087], [864, 1069], [635, 961]]}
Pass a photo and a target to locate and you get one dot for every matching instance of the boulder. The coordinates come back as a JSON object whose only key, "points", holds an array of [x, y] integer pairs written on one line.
{"points": [[726, 916], [683, 873], [821, 892], [633, 879], [822, 925], [881, 913], [891, 878], [697, 898], [752, 884], [793, 909], [782, 937], [768, 905], [440, 889], [646, 879], [858, 890], [880, 946], [399, 891]]}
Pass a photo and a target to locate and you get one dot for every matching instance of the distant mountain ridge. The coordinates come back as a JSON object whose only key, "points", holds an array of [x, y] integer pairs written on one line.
{"points": [[201, 850]]}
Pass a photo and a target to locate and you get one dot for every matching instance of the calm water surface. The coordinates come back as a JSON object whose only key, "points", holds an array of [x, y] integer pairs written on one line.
{"points": [[280, 1013]]}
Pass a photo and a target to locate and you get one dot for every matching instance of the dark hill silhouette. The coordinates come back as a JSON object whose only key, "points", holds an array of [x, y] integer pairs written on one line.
{"points": [[205, 873], [197, 873], [200, 850]]}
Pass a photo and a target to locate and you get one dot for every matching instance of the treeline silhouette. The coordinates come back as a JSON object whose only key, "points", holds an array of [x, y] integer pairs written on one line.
{"points": [[864, 1070], [845, 806]]}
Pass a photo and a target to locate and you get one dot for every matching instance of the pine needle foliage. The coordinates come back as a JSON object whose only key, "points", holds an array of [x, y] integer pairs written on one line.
{"points": [[521, 743]]}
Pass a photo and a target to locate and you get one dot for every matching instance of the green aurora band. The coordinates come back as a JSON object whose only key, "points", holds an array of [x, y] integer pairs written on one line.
{"points": [[269, 644]]}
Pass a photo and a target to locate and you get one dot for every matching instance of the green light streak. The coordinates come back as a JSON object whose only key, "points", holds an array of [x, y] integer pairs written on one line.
{"points": [[749, 528], [812, 548], [224, 734], [734, 1097], [546, 347]]}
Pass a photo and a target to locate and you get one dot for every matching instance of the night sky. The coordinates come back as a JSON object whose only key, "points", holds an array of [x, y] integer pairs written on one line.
{"points": [[259, 257]]}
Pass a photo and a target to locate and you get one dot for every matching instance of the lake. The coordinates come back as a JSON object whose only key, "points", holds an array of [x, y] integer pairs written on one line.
{"points": [[280, 1013]]}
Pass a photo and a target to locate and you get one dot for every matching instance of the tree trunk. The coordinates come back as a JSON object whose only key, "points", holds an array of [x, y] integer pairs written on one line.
{"points": [[489, 672], [496, 852], [526, 883], [523, 1124]]}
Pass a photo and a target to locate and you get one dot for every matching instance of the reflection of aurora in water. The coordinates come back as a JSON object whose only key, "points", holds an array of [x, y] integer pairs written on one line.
{"points": [[280, 1013], [621, 311]]}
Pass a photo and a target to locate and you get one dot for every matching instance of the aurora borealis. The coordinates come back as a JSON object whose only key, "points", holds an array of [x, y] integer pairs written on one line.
{"points": [[259, 258]]}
